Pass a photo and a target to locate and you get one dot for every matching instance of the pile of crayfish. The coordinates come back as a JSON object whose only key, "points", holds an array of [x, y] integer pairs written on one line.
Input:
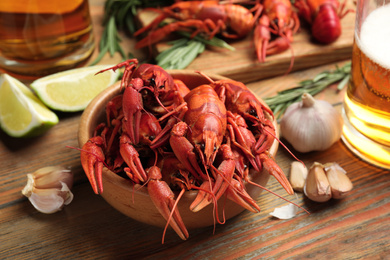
{"points": [[273, 22], [163, 135]]}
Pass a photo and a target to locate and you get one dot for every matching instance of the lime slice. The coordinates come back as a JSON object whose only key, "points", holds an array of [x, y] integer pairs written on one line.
{"points": [[22, 114], [72, 90]]}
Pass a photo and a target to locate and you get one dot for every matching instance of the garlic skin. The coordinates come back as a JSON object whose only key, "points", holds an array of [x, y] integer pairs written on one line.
{"points": [[339, 182], [311, 125], [298, 175], [286, 212], [48, 189], [317, 187]]}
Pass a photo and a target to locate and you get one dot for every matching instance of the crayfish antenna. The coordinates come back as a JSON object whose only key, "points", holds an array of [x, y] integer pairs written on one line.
{"points": [[277, 195], [163, 198], [170, 216], [291, 61], [239, 195], [154, 23], [284, 146], [205, 76]]}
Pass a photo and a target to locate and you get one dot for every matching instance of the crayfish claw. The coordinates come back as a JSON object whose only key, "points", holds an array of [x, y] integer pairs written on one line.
{"points": [[131, 157], [272, 168], [92, 158], [237, 193], [163, 198], [203, 198], [223, 176]]}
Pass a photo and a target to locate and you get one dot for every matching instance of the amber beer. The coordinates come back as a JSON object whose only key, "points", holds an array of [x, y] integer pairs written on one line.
{"points": [[367, 102], [42, 37]]}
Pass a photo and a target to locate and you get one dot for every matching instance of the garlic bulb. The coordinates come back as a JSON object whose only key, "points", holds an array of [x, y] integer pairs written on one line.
{"points": [[48, 188], [311, 125]]}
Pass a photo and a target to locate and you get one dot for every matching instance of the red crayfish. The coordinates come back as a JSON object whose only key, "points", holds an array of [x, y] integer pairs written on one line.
{"points": [[277, 18], [209, 17], [324, 17], [162, 135], [231, 21]]}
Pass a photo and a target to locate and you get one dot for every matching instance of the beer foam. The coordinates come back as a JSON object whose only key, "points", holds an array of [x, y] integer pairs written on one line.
{"points": [[375, 36]]}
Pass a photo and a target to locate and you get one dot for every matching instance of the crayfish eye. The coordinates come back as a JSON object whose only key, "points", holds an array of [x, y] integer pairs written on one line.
{"points": [[176, 10], [152, 82], [202, 146], [252, 112], [144, 93]]}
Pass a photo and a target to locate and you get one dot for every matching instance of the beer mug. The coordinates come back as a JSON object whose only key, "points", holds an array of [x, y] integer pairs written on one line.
{"points": [[366, 109], [41, 37]]}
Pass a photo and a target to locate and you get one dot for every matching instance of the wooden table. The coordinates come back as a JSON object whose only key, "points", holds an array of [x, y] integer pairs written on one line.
{"points": [[356, 227]]}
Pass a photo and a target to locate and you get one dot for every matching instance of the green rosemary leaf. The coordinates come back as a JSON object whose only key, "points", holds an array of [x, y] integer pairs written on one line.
{"points": [[283, 99], [111, 36], [213, 42], [119, 15], [109, 42], [321, 76], [278, 108], [185, 50], [305, 82], [343, 82], [121, 51], [165, 56], [198, 48], [102, 52], [181, 54]]}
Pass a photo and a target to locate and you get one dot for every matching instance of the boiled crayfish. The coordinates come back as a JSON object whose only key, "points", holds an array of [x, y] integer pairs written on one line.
{"points": [[324, 17], [160, 134], [231, 21]]}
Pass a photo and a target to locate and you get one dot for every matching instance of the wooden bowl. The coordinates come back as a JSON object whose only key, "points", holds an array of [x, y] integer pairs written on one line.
{"points": [[135, 201]]}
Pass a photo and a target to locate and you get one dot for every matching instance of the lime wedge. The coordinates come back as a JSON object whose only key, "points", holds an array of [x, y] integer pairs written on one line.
{"points": [[22, 114], [72, 90]]}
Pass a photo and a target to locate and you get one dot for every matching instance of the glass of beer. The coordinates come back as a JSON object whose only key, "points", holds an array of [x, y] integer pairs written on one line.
{"points": [[41, 37], [366, 108]]}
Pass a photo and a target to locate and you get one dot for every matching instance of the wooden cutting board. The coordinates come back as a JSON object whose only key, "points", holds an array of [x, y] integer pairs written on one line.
{"points": [[242, 64]]}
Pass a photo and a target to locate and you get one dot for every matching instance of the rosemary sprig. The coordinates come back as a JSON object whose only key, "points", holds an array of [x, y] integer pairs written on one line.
{"points": [[213, 42], [185, 50], [119, 15], [181, 54], [283, 99], [110, 42]]}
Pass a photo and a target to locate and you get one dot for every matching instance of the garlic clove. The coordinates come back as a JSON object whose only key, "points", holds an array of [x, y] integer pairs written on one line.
{"points": [[311, 125], [339, 182], [49, 201], [298, 174], [51, 176], [27, 190], [317, 187], [48, 188]]}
